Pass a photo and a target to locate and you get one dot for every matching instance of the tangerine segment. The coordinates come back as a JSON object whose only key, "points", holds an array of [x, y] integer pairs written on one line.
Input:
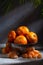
{"points": [[12, 54]]}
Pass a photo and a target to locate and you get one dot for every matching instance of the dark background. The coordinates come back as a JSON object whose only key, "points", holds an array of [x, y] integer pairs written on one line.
{"points": [[8, 5]]}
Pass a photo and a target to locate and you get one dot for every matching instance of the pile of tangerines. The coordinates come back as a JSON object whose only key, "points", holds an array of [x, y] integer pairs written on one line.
{"points": [[21, 36]]}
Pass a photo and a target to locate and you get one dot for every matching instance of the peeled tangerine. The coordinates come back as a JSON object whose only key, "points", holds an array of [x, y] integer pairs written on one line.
{"points": [[32, 54], [22, 30], [32, 37], [20, 40], [11, 36]]}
